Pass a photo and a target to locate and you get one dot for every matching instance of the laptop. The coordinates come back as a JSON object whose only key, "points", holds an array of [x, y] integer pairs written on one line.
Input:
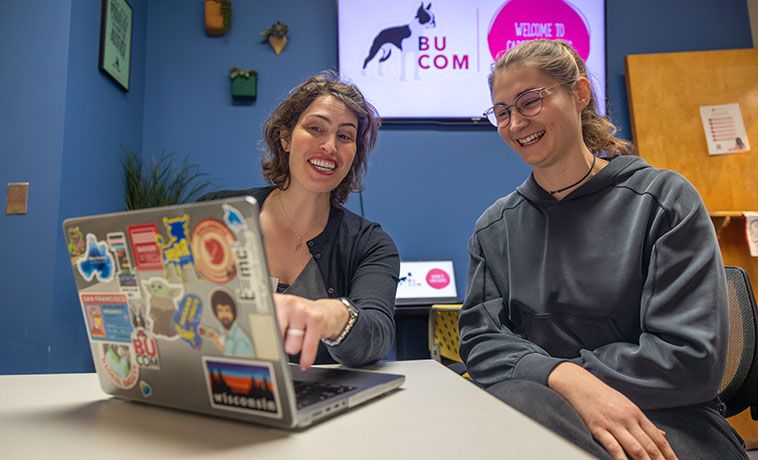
{"points": [[424, 282], [178, 306]]}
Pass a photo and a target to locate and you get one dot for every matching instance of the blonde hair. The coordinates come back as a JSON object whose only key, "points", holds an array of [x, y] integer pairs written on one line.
{"points": [[558, 60]]}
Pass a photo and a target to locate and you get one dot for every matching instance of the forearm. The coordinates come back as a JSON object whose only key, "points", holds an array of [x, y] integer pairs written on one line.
{"points": [[493, 353], [369, 340]]}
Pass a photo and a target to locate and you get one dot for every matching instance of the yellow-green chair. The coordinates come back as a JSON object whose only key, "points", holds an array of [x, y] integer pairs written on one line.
{"points": [[444, 339]]}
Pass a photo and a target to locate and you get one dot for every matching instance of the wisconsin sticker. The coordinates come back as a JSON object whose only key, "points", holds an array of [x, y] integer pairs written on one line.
{"points": [[210, 245], [246, 386]]}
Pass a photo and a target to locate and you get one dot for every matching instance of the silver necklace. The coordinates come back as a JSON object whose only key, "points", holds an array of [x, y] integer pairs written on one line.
{"points": [[292, 226]]}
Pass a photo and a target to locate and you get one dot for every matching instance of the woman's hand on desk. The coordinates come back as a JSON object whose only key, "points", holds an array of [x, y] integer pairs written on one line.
{"points": [[304, 322], [615, 421]]}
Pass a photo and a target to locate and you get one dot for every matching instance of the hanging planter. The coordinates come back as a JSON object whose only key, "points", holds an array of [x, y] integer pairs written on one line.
{"points": [[276, 35], [218, 17], [244, 84]]}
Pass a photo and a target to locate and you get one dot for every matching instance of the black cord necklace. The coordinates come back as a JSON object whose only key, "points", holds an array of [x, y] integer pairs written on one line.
{"points": [[577, 182]]}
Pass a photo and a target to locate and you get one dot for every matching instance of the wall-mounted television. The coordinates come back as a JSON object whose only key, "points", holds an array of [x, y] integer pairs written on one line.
{"points": [[428, 61]]}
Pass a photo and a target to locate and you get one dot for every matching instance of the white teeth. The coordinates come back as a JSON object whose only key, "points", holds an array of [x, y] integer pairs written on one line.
{"points": [[531, 139], [323, 165]]}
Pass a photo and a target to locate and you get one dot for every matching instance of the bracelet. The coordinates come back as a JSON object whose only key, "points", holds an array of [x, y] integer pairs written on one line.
{"points": [[351, 320]]}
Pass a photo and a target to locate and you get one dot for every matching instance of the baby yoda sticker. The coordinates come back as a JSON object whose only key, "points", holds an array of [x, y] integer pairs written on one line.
{"points": [[177, 253], [161, 302], [127, 276], [96, 262]]}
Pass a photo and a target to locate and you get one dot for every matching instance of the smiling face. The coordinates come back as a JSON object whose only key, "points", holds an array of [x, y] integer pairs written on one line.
{"points": [[225, 314], [322, 145], [553, 134]]}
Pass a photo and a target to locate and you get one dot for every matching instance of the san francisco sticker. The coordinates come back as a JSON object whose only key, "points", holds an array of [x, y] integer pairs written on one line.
{"points": [[107, 317]]}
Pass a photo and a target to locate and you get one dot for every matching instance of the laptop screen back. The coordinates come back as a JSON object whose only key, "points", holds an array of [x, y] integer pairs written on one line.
{"points": [[430, 281]]}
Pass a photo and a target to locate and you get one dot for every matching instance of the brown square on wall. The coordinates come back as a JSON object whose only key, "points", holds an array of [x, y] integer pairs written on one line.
{"points": [[17, 198]]}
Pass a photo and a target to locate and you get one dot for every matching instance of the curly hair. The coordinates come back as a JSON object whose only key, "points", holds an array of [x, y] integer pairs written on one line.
{"points": [[559, 60], [221, 297], [275, 162]]}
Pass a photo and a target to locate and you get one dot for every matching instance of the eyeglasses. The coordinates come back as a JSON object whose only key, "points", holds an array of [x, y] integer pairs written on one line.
{"points": [[527, 104]]}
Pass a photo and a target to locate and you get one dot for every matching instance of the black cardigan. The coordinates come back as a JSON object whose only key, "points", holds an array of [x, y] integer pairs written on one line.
{"points": [[357, 260]]}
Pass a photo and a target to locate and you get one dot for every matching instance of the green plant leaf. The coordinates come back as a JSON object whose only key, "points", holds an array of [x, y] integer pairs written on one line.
{"points": [[163, 181]]}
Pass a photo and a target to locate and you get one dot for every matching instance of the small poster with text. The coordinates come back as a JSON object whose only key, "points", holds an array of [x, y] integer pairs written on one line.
{"points": [[724, 129]]}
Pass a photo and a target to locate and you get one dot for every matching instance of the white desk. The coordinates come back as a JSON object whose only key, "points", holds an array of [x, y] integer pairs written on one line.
{"points": [[436, 415]]}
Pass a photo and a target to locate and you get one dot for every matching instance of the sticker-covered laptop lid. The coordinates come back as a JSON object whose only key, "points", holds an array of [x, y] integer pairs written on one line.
{"points": [[178, 309]]}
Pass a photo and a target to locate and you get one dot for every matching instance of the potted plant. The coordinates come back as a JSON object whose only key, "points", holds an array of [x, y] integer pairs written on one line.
{"points": [[244, 83], [161, 182], [218, 17], [276, 35]]}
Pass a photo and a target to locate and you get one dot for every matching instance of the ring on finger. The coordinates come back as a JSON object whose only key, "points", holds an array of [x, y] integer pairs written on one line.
{"points": [[295, 332]]}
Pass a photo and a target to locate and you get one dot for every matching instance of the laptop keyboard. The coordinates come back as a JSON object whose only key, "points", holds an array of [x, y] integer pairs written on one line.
{"points": [[307, 393]]}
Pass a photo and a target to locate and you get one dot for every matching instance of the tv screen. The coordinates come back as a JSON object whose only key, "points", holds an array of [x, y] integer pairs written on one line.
{"points": [[428, 61]]}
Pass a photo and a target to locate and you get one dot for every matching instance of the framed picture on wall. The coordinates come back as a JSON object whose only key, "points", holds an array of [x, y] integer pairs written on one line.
{"points": [[116, 41]]}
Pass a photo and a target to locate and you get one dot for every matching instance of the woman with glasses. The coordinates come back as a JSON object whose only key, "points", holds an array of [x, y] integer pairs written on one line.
{"points": [[596, 296]]}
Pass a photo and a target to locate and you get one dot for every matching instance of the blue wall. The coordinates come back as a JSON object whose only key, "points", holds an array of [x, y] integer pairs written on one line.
{"points": [[62, 124], [100, 120], [34, 55]]}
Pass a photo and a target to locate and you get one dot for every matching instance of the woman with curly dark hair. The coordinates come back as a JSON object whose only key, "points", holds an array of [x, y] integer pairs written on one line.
{"points": [[335, 272]]}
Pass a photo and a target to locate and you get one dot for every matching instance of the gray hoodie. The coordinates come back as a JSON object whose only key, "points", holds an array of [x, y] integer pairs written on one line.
{"points": [[623, 277]]}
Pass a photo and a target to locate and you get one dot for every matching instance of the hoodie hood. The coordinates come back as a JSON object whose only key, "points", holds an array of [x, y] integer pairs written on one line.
{"points": [[619, 168]]}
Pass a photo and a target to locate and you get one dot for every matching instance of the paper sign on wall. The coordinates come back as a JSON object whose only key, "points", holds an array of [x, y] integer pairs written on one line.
{"points": [[724, 129]]}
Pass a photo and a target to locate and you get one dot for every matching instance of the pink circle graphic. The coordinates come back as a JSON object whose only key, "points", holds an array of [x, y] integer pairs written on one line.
{"points": [[518, 21], [437, 278]]}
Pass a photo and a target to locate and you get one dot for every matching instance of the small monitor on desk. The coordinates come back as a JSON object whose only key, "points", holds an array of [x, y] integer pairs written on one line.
{"points": [[426, 282]]}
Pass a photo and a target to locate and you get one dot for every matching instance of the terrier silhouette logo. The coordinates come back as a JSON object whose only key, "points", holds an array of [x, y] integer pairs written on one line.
{"points": [[404, 38]]}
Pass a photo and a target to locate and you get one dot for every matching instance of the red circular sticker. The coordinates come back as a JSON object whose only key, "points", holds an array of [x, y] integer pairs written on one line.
{"points": [[210, 247], [437, 278]]}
